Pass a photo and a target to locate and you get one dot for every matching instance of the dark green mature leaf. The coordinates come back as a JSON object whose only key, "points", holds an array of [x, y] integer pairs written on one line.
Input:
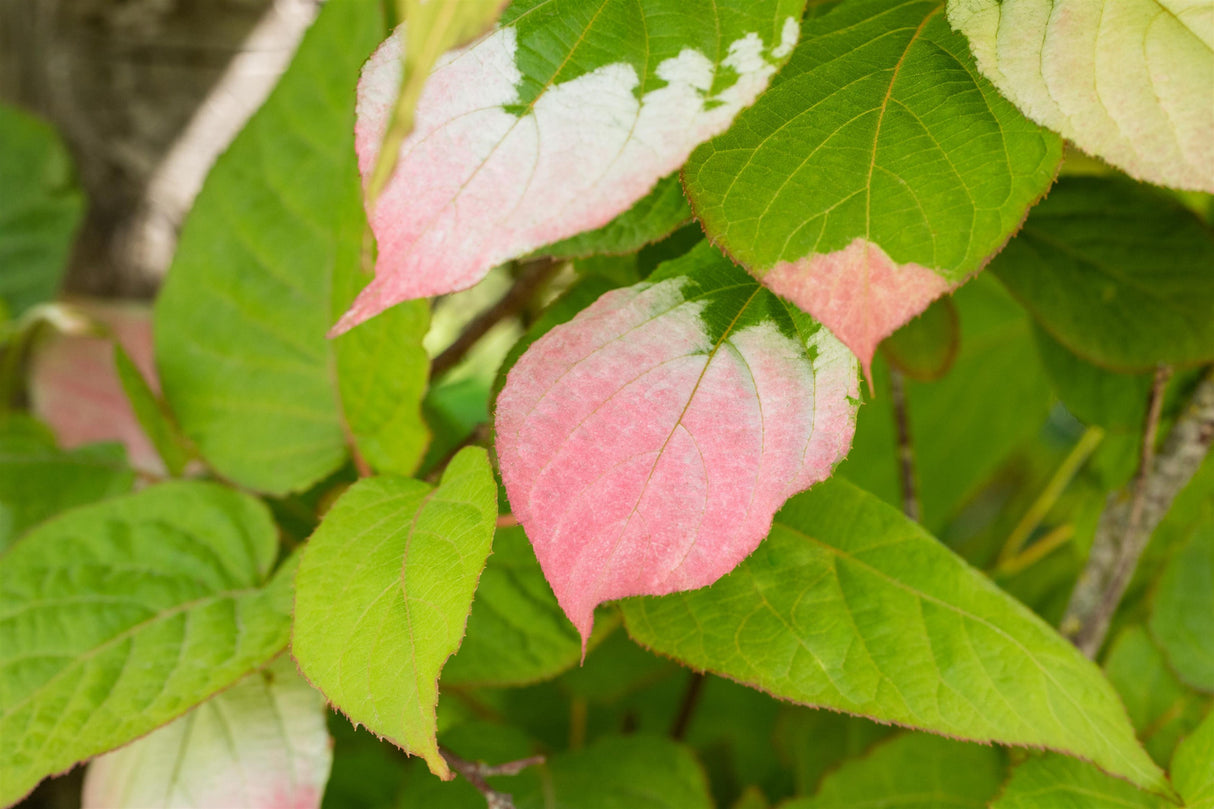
{"points": [[912, 771], [851, 606], [1094, 395], [38, 480], [815, 742], [879, 171], [655, 216], [40, 208], [1118, 273], [383, 593], [1182, 617], [269, 255], [1191, 767], [517, 633], [118, 617], [926, 347], [965, 425], [620, 772], [1162, 709], [1056, 782]]}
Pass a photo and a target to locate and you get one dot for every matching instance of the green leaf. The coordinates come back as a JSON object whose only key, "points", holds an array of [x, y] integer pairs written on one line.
{"points": [[241, 320], [879, 171], [912, 771], [1191, 767], [925, 348], [653, 217], [517, 633], [382, 374], [383, 593], [262, 742], [1182, 616], [153, 416], [38, 480], [851, 606], [1055, 782], [964, 426], [119, 616], [1162, 709], [1116, 272], [1131, 86], [614, 773], [40, 209], [1094, 395], [816, 742]]}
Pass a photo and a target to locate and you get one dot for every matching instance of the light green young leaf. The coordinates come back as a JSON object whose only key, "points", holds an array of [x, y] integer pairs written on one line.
{"points": [[383, 593], [1182, 616], [1117, 272], [271, 250], [38, 480], [262, 742], [1051, 781], [878, 172], [851, 606], [1162, 709], [1127, 81], [517, 633], [912, 771], [40, 209], [120, 616], [1193, 767]]}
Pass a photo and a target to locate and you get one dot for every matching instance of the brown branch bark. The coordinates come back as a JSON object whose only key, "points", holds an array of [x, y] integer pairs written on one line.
{"points": [[533, 276], [906, 452], [1131, 515], [475, 773]]}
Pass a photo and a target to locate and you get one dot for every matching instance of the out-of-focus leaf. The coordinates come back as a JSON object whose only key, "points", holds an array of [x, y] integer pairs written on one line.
{"points": [[383, 594], [40, 208], [851, 606], [262, 742], [1128, 82], [517, 633], [1116, 272], [1162, 709], [646, 444], [120, 616], [879, 171], [1193, 767], [38, 480], [813, 742], [1095, 395], [153, 417], [912, 771], [926, 347], [1182, 616]]}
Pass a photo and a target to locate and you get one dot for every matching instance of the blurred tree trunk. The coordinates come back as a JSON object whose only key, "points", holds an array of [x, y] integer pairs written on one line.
{"points": [[121, 79]]}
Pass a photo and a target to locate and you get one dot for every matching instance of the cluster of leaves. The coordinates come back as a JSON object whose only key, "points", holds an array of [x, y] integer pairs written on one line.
{"points": [[616, 473]]}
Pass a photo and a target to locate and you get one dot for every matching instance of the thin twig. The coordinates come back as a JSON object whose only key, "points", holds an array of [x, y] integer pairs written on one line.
{"points": [[506, 520], [691, 698], [1061, 478], [1034, 553], [534, 275], [1130, 517], [475, 773], [906, 453]]}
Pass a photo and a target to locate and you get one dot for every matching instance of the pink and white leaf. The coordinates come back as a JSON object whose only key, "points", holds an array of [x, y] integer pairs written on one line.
{"points": [[477, 185], [262, 743], [644, 457]]}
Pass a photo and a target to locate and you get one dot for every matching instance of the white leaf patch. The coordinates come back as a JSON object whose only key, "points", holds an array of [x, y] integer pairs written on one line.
{"points": [[476, 185]]}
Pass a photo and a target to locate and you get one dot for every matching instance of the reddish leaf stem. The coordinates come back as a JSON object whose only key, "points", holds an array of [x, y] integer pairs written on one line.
{"points": [[475, 773], [906, 452]]}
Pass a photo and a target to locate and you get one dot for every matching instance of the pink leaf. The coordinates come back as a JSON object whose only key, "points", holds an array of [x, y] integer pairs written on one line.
{"points": [[644, 454], [75, 389], [479, 182], [859, 293]]}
